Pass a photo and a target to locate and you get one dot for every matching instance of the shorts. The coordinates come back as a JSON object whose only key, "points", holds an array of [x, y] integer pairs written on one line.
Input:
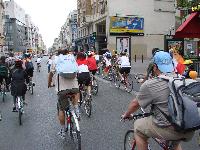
{"points": [[125, 70], [146, 128], [93, 71], [84, 78], [62, 98]]}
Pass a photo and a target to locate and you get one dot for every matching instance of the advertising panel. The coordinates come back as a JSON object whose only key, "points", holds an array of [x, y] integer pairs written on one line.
{"points": [[131, 25]]}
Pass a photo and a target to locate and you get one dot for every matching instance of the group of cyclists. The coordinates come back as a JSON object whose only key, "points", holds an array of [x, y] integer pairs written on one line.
{"points": [[16, 71]]}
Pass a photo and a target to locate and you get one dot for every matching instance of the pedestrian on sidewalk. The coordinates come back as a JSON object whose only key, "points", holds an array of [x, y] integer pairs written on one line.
{"points": [[49, 63]]}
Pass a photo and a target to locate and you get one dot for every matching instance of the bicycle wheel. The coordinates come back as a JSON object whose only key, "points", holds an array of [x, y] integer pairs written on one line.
{"points": [[88, 106], [129, 84], [129, 141], [20, 116], [117, 81], [95, 87], [75, 132], [4, 93], [31, 88]]}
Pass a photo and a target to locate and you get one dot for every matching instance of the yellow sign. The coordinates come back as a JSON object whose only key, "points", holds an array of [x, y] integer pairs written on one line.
{"points": [[126, 25], [196, 8]]}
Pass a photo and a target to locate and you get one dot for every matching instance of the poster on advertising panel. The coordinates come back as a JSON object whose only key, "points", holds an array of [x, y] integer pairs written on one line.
{"points": [[131, 25], [123, 44]]}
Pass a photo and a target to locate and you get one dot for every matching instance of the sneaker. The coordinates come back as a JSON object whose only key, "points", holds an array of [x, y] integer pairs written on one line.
{"points": [[61, 133], [14, 109]]}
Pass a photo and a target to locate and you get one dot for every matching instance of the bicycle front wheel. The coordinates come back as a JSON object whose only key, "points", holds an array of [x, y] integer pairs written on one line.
{"points": [[75, 132], [88, 106], [129, 141], [95, 87], [31, 88], [20, 116], [129, 84], [3, 93]]}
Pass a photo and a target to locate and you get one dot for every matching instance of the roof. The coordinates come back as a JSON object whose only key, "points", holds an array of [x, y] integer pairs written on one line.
{"points": [[190, 28]]}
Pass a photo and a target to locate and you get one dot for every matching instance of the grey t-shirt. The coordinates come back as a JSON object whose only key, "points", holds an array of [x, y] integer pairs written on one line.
{"points": [[155, 92]]}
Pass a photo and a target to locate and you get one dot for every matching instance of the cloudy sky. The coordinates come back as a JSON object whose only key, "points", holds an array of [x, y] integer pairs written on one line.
{"points": [[48, 15]]}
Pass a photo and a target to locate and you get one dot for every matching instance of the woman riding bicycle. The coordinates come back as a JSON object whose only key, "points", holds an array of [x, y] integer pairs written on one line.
{"points": [[124, 65]]}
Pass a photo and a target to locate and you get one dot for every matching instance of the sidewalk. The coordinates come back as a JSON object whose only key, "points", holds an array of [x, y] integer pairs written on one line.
{"points": [[139, 67]]}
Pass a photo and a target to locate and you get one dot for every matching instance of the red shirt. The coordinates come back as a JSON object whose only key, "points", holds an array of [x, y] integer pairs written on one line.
{"points": [[92, 65], [82, 62]]}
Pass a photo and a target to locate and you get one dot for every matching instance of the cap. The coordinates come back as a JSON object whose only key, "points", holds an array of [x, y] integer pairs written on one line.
{"points": [[164, 62]]}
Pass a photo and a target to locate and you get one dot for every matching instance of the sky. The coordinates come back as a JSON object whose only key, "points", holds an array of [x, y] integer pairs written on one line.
{"points": [[48, 15]]}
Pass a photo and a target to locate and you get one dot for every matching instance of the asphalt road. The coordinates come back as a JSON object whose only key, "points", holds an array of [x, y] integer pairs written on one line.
{"points": [[103, 131]]}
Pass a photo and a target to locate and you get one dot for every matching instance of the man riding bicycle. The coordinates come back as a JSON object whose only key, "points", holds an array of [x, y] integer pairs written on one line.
{"points": [[65, 85], [154, 92], [4, 72]]}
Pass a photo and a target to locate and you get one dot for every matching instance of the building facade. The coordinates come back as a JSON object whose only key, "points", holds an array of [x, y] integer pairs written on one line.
{"points": [[2, 37], [15, 27], [137, 26]]}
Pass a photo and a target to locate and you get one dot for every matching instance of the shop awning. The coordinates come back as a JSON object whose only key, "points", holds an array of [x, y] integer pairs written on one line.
{"points": [[190, 28]]}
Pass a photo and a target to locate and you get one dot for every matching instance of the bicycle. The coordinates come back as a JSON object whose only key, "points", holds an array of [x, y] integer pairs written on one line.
{"points": [[86, 99], [72, 126], [94, 84], [20, 108], [130, 142], [127, 82], [38, 67], [0, 116], [3, 90], [31, 84]]}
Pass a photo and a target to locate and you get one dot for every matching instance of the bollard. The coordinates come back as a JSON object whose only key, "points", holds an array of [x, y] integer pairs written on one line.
{"points": [[142, 58], [135, 58]]}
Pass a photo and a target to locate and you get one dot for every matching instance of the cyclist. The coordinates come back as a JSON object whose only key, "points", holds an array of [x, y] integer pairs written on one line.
{"points": [[154, 92], [4, 72], [18, 85], [125, 66], [83, 72], [49, 62], [107, 59], [28, 65], [65, 86], [38, 61], [92, 65]]}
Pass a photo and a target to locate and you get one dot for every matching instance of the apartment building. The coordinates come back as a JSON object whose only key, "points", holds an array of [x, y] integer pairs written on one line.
{"points": [[15, 27], [1, 25], [137, 26]]}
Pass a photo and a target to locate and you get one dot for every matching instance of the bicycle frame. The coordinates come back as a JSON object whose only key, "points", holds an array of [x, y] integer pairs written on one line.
{"points": [[165, 145]]}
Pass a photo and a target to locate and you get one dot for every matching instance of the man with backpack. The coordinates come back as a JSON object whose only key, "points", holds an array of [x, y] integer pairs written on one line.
{"points": [[4, 72], [155, 92], [28, 65], [65, 68]]}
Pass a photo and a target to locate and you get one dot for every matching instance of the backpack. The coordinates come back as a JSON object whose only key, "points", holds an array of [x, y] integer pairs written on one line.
{"points": [[3, 71], [29, 65], [183, 103], [66, 66]]}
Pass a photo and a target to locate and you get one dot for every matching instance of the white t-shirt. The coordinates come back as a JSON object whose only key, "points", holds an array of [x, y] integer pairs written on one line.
{"points": [[83, 68], [108, 62], [50, 61], [124, 61], [38, 60]]}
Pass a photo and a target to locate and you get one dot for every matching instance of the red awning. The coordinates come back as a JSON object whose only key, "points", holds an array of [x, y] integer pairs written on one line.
{"points": [[190, 28]]}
